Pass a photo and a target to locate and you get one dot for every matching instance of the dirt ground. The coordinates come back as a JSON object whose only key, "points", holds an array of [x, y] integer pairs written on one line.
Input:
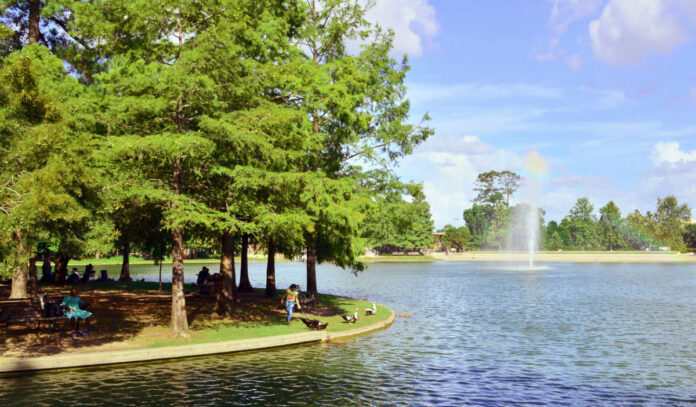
{"points": [[123, 318]]}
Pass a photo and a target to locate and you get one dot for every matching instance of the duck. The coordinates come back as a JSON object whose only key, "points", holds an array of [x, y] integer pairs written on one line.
{"points": [[351, 319], [314, 324], [373, 310]]}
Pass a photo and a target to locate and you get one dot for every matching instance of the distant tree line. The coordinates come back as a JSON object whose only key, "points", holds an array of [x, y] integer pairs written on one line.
{"points": [[493, 224]]}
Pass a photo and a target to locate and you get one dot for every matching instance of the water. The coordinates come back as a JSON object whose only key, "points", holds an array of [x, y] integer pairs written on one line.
{"points": [[585, 334]]}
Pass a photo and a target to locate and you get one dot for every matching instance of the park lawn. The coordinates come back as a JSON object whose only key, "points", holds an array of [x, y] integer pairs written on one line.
{"points": [[118, 260], [334, 307], [136, 315], [398, 259]]}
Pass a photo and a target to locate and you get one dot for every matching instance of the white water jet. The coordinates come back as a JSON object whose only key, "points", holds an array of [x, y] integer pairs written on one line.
{"points": [[537, 169], [532, 232]]}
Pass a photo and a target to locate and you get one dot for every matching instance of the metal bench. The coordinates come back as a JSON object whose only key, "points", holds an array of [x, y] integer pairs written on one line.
{"points": [[24, 311]]}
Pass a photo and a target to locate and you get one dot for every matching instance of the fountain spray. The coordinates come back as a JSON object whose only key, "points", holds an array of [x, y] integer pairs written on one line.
{"points": [[537, 169]]}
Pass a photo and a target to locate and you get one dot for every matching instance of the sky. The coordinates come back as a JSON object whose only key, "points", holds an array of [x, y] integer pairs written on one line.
{"points": [[603, 90]]}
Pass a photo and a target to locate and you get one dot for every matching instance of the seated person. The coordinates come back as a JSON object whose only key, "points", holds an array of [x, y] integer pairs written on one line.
{"points": [[72, 305], [104, 275], [89, 272], [73, 278], [203, 276]]}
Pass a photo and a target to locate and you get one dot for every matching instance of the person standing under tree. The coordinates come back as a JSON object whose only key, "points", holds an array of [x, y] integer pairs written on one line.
{"points": [[290, 298]]}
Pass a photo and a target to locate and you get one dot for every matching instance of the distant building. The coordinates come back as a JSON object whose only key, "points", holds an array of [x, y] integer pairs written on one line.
{"points": [[438, 246]]}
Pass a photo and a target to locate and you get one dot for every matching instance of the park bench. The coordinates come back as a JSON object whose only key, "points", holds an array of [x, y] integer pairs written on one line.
{"points": [[24, 311]]}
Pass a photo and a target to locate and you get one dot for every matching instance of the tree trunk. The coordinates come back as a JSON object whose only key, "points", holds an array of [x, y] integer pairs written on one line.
{"points": [[244, 283], [33, 278], [61, 269], [179, 319], [271, 291], [34, 18], [312, 272], [226, 286], [125, 267], [19, 279]]}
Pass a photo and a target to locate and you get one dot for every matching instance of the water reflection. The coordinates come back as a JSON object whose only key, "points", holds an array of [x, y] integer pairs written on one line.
{"points": [[573, 334]]}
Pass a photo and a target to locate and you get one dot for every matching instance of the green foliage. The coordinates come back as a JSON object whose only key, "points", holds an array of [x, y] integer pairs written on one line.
{"points": [[456, 237], [398, 218], [496, 187], [690, 236], [478, 220], [556, 237], [671, 219], [49, 187], [610, 227], [582, 224]]}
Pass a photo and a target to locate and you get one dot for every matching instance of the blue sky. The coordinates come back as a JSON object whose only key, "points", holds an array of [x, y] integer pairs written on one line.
{"points": [[604, 90]]}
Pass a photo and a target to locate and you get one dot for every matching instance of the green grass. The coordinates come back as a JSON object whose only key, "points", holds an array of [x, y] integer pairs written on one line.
{"points": [[168, 260], [219, 331], [397, 259]]}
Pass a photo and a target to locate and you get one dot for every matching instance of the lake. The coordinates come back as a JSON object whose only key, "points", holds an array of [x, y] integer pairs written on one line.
{"points": [[480, 334]]}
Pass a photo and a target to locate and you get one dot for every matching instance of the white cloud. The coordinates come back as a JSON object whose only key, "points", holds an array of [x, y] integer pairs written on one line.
{"points": [[448, 172], [467, 145], [414, 23], [564, 12], [574, 61], [629, 30], [671, 153]]}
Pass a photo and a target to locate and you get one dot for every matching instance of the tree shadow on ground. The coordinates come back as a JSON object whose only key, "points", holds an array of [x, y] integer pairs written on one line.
{"points": [[128, 315]]}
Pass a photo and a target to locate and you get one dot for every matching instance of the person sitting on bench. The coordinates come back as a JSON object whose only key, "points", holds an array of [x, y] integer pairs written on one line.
{"points": [[73, 278], [72, 304]]}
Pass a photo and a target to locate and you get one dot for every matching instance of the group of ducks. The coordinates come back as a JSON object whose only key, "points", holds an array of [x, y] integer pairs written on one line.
{"points": [[317, 325]]}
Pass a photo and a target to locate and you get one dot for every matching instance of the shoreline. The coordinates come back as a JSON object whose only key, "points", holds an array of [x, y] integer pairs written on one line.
{"points": [[74, 360], [569, 257], [472, 256]]}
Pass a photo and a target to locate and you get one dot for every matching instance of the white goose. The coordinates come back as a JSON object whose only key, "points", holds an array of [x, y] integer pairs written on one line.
{"points": [[351, 319], [373, 310]]}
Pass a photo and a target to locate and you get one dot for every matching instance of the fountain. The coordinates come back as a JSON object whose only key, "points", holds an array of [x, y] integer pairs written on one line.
{"points": [[532, 233], [537, 169]]}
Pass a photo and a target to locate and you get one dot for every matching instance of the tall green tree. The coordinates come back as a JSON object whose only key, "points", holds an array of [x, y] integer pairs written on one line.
{"points": [[478, 220], [456, 237], [610, 227], [582, 224], [671, 219], [357, 108], [556, 237], [49, 192]]}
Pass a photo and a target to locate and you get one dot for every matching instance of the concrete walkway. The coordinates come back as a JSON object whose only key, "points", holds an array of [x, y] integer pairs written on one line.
{"points": [[76, 360]]}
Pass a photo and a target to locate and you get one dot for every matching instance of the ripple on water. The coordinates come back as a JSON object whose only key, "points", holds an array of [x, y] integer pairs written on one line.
{"points": [[574, 335]]}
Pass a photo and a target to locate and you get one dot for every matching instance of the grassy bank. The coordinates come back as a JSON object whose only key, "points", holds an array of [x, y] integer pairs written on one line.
{"points": [[218, 331], [168, 260], [571, 257], [137, 315]]}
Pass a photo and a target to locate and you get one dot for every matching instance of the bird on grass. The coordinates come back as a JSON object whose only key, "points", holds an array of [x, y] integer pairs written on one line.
{"points": [[373, 310], [351, 319], [314, 324]]}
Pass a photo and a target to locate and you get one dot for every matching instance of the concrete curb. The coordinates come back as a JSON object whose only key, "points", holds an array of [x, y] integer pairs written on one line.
{"points": [[76, 360]]}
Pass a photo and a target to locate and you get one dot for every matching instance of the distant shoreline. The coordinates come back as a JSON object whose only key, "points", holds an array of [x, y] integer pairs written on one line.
{"points": [[474, 256], [570, 257]]}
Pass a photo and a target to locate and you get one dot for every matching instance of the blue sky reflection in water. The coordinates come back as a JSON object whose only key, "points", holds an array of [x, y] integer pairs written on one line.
{"points": [[576, 334]]}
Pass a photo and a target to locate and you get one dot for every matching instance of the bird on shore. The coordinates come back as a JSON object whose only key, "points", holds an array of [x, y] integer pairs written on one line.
{"points": [[314, 324], [351, 319], [373, 310]]}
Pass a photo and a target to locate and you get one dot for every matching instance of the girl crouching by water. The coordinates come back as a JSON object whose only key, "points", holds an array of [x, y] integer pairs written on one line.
{"points": [[290, 298]]}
